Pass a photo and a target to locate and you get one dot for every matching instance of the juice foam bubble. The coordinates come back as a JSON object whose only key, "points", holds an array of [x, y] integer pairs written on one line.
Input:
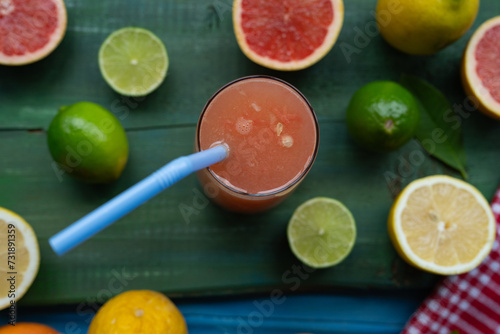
{"points": [[287, 141], [244, 126], [256, 107]]}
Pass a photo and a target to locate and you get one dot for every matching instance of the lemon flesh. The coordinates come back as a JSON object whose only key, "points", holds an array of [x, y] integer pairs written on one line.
{"points": [[19, 257], [442, 225]]}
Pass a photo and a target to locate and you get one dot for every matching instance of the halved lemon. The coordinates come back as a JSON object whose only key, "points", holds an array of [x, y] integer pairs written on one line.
{"points": [[19, 257], [442, 225]]}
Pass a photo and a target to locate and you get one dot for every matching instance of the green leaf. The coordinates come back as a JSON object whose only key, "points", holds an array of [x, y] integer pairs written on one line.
{"points": [[440, 131]]}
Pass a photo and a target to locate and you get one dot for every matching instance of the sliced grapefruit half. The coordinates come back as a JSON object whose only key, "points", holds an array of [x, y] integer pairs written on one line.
{"points": [[481, 68], [287, 35], [30, 29]]}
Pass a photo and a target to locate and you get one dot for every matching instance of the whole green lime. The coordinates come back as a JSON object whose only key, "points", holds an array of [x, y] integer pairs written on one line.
{"points": [[88, 142], [382, 116]]}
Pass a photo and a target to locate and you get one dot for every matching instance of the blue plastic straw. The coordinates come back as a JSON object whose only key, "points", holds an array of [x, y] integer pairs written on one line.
{"points": [[135, 196]]}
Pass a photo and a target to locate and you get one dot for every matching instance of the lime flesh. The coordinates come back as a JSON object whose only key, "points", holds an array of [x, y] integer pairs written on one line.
{"points": [[321, 232], [133, 61]]}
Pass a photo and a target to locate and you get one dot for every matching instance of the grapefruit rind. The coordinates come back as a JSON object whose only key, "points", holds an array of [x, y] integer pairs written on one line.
{"points": [[401, 245], [317, 55], [55, 40], [31, 244], [472, 83]]}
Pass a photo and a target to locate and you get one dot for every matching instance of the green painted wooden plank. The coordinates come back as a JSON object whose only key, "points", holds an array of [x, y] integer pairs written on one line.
{"points": [[215, 252], [204, 55]]}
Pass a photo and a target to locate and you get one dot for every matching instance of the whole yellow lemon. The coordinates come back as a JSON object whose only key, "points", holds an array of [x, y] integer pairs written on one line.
{"points": [[424, 27], [138, 312]]}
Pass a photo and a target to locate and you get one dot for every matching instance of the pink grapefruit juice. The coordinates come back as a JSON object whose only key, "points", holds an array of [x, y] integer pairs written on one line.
{"points": [[272, 135]]}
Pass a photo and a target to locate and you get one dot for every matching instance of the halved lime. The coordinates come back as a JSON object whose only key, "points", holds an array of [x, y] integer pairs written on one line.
{"points": [[133, 61], [321, 232]]}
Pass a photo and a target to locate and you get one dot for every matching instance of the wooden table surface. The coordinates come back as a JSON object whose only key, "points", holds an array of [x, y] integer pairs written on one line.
{"points": [[215, 252], [346, 313]]}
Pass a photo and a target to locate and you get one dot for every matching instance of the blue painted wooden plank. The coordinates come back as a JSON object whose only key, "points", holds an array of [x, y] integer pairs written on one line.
{"points": [[360, 312]]}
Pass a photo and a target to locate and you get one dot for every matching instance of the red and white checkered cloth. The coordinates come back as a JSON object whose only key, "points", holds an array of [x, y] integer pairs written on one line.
{"points": [[467, 303]]}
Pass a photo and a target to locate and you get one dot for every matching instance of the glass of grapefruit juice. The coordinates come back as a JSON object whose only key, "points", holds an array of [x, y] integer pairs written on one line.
{"points": [[272, 134]]}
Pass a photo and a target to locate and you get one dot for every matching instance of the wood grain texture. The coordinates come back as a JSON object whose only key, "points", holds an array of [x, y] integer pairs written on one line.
{"points": [[340, 314], [214, 252]]}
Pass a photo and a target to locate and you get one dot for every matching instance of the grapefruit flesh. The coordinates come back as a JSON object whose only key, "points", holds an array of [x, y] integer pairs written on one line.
{"points": [[488, 62], [30, 29], [481, 68], [287, 34]]}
